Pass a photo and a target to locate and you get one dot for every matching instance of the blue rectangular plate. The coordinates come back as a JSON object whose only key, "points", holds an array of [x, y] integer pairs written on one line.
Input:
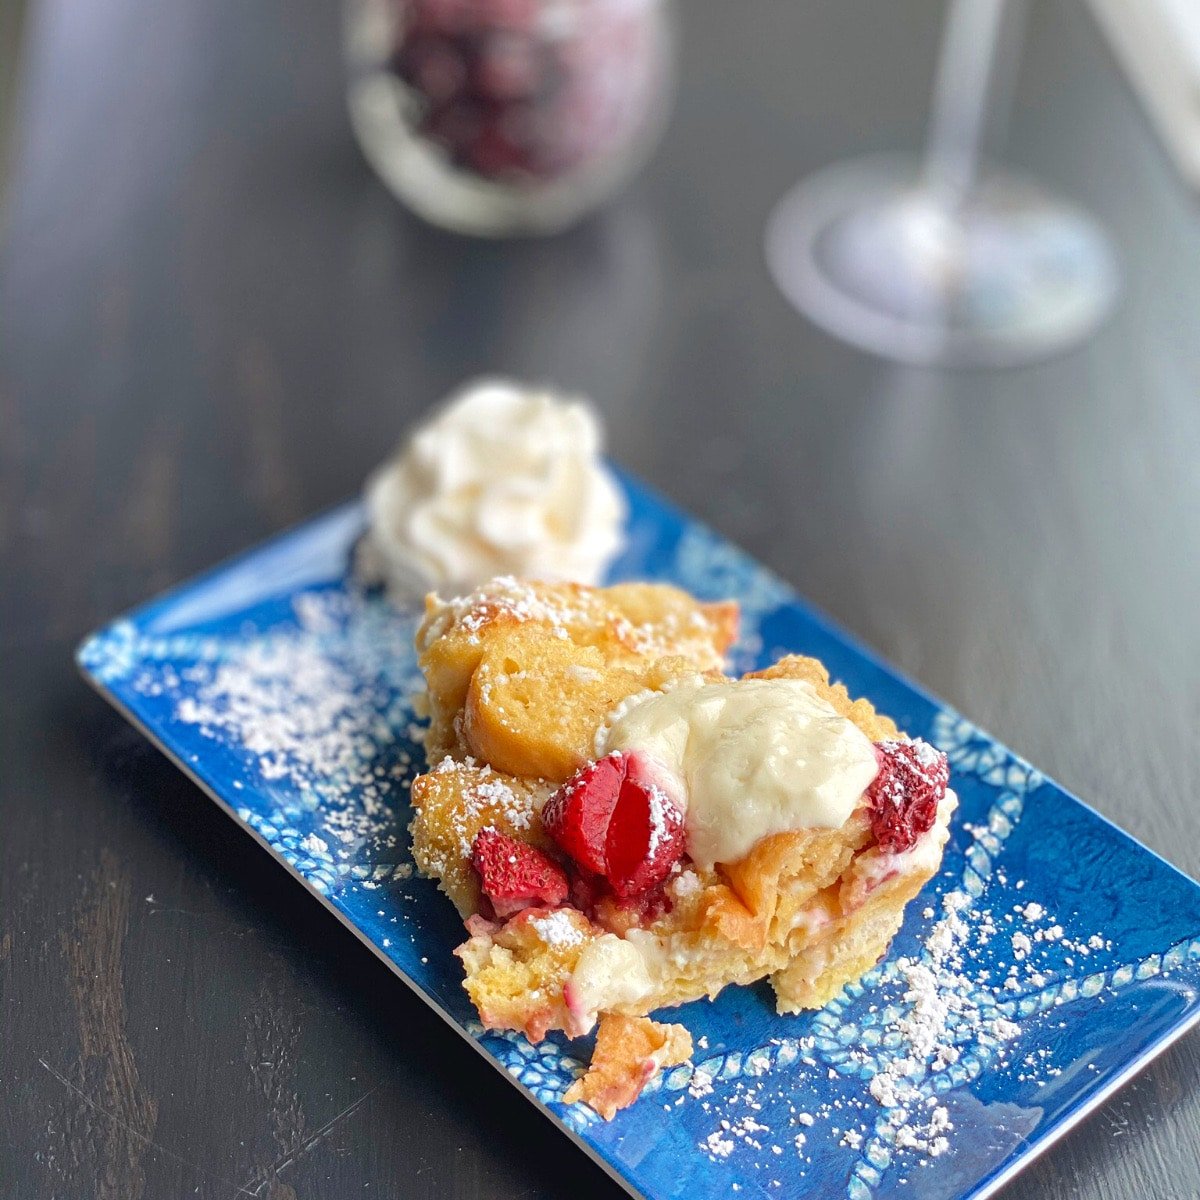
{"points": [[1065, 954]]}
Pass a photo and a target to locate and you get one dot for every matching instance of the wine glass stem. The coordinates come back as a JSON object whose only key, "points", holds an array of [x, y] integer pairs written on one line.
{"points": [[975, 76]]}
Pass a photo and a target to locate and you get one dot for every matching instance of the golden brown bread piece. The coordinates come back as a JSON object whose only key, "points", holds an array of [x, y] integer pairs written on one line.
{"points": [[850, 945], [875, 725], [630, 626], [629, 1052], [535, 700], [517, 972], [453, 802]]}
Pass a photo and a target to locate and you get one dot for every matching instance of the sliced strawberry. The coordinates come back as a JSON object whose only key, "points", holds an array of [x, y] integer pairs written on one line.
{"points": [[646, 834], [617, 819], [577, 816], [905, 795], [514, 875]]}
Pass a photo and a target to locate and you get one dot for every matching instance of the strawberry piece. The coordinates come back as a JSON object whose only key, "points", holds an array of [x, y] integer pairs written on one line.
{"points": [[577, 816], [514, 875], [616, 819], [905, 795], [646, 834]]}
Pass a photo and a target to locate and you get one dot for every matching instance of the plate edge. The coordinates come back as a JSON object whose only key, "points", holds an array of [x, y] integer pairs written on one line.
{"points": [[1089, 1106]]}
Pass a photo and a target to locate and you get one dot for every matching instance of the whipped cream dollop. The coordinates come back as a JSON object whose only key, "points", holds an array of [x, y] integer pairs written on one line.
{"points": [[504, 480], [754, 757]]}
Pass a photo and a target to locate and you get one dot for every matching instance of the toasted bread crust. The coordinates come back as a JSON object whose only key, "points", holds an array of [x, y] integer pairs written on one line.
{"points": [[629, 1052], [811, 670]]}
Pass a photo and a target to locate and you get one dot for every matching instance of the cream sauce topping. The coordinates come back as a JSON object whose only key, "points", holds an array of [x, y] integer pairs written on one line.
{"points": [[754, 757]]}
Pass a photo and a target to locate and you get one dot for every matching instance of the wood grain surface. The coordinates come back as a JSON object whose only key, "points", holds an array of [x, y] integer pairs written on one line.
{"points": [[213, 322]]}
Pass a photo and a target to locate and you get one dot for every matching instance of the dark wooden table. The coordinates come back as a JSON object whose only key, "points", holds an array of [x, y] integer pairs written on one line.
{"points": [[215, 321]]}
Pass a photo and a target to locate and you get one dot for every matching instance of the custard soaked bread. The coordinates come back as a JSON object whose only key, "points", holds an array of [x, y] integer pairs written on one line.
{"points": [[625, 828], [585, 646]]}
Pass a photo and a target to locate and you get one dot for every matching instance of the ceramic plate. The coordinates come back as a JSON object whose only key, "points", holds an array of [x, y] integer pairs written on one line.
{"points": [[1050, 958]]}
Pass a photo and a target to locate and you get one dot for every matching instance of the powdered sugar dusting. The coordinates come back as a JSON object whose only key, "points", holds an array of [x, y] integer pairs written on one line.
{"points": [[914, 1031], [485, 797], [939, 1002], [718, 1144], [562, 610], [509, 596], [556, 929], [658, 801], [318, 711]]}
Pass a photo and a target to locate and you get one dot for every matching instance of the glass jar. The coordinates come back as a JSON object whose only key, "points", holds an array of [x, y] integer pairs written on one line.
{"points": [[500, 117]]}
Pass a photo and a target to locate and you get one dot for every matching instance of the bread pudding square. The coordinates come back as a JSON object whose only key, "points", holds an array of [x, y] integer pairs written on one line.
{"points": [[625, 828]]}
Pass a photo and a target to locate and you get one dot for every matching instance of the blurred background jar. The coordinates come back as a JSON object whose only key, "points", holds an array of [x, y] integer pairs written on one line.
{"points": [[500, 117]]}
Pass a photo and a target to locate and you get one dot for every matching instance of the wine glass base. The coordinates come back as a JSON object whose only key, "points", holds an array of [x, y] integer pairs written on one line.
{"points": [[1010, 276]]}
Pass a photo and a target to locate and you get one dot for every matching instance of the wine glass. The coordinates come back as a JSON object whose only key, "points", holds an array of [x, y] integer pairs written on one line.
{"points": [[940, 261]]}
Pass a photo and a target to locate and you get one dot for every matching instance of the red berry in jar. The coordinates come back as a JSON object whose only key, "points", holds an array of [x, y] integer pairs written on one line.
{"points": [[507, 67], [549, 102], [433, 67]]}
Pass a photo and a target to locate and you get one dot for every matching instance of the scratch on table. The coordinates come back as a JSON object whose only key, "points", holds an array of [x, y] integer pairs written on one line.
{"points": [[158, 1147], [272, 1054], [303, 1147]]}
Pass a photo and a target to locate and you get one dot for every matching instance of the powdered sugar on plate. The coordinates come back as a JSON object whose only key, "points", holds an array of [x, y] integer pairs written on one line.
{"points": [[911, 1022], [318, 711]]}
